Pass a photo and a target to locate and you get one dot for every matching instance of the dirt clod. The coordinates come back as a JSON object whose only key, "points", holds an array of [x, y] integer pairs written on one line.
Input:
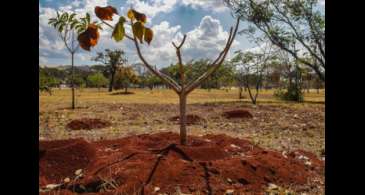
{"points": [[237, 114], [87, 124], [190, 119]]}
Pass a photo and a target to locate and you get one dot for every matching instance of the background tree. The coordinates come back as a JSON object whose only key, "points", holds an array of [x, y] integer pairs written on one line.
{"points": [[223, 76], [124, 77], [47, 81], [69, 28], [142, 33], [150, 80], [251, 67], [97, 80], [292, 77], [287, 23], [113, 59]]}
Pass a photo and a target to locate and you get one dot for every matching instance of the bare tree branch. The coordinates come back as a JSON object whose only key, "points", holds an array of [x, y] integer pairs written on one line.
{"points": [[162, 76], [215, 65], [181, 67], [298, 36]]}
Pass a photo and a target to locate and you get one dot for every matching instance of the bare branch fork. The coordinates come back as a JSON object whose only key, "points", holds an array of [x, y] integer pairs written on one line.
{"points": [[183, 89]]}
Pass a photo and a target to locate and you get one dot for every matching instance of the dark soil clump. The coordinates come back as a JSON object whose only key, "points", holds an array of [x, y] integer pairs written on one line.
{"points": [[87, 124], [190, 119], [123, 93], [137, 164], [237, 114]]}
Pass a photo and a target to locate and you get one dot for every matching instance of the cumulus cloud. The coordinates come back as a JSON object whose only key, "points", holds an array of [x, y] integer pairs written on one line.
{"points": [[205, 41], [151, 8], [211, 5]]}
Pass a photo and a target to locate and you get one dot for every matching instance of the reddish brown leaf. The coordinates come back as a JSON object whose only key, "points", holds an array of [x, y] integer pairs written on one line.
{"points": [[89, 38], [148, 35], [140, 17], [105, 13]]}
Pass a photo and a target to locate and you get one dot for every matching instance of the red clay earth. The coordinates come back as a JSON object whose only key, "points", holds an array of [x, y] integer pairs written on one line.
{"points": [[190, 119], [237, 114], [87, 123], [210, 164]]}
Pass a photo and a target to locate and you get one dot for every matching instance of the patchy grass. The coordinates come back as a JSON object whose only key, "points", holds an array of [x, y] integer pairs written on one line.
{"points": [[160, 96], [276, 124]]}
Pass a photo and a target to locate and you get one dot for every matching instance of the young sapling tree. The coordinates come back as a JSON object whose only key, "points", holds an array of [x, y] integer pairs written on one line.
{"points": [[142, 33]]}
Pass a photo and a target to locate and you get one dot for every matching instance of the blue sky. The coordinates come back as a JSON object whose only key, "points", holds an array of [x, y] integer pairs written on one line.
{"points": [[206, 23]]}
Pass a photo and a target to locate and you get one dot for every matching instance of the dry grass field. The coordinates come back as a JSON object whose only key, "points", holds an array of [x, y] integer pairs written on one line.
{"points": [[276, 124]]}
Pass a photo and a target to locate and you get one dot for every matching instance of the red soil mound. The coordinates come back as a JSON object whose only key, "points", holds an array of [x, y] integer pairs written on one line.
{"points": [[237, 114], [87, 123], [209, 164], [62, 158], [190, 119]]}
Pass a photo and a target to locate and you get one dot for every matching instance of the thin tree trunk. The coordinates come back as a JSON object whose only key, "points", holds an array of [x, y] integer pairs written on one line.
{"points": [[111, 82], [183, 134], [240, 92], [126, 89], [72, 81]]}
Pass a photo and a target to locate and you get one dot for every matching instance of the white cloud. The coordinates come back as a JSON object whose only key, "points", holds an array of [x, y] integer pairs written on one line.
{"points": [[205, 41], [151, 8], [211, 5]]}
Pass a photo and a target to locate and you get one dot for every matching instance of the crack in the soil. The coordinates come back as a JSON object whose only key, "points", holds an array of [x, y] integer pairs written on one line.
{"points": [[206, 177]]}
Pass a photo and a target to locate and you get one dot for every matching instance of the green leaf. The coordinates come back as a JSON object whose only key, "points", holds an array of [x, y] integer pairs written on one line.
{"points": [[84, 20], [122, 19], [73, 23], [64, 16], [138, 30], [61, 27], [118, 32], [71, 17], [88, 18]]}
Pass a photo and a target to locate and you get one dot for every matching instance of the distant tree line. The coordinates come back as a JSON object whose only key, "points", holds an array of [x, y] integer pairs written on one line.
{"points": [[276, 74]]}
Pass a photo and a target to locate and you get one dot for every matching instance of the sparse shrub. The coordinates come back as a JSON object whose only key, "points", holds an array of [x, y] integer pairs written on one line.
{"points": [[293, 93]]}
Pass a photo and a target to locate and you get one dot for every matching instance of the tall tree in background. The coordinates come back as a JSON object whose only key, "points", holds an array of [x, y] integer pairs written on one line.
{"points": [[251, 67], [142, 33], [124, 77], [114, 60], [69, 28], [96, 80], [286, 23]]}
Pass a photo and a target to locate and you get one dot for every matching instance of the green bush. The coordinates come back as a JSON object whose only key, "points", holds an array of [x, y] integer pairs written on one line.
{"points": [[293, 93]]}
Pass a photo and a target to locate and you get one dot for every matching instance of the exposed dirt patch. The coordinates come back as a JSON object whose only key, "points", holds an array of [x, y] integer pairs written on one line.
{"points": [[209, 164], [87, 123], [70, 108], [190, 119], [123, 93], [237, 114], [60, 159]]}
